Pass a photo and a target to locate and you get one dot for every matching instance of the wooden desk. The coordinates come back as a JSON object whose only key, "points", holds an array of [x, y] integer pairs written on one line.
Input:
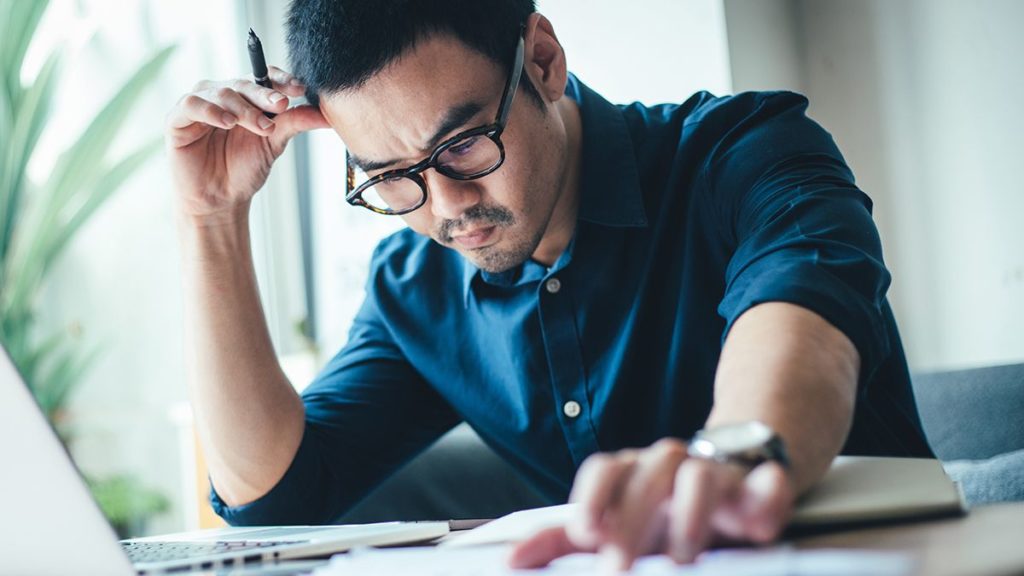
{"points": [[989, 541]]}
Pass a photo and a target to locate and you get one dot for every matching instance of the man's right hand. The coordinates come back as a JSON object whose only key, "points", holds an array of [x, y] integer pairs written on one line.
{"points": [[222, 145]]}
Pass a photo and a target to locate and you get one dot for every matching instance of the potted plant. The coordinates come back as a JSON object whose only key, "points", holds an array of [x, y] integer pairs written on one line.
{"points": [[39, 219]]}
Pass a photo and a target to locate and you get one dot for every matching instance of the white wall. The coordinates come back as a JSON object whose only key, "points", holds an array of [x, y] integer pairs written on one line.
{"points": [[924, 98], [119, 283], [652, 51]]}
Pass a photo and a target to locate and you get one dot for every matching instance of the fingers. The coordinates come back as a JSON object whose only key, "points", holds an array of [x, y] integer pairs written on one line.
{"points": [[638, 526], [765, 502], [622, 500], [285, 82], [656, 500], [597, 487], [294, 121], [233, 103], [755, 508], [249, 109], [700, 486], [542, 548], [193, 117]]}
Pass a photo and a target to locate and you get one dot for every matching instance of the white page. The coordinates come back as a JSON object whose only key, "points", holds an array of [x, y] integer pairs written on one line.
{"points": [[515, 527], [489, 560]]}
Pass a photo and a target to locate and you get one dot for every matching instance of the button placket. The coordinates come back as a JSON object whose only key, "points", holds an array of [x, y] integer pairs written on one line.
{"points": [[565, 361]]}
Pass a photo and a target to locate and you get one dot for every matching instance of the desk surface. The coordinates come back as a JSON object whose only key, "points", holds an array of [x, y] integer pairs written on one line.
{"points": [[989, 541]]}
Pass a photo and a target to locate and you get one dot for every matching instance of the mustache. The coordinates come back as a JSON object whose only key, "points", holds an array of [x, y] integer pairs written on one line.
{"points": [[479, 215]]}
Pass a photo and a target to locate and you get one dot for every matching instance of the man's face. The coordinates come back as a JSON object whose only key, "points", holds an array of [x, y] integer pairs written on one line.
{"points": [[432, 92]]}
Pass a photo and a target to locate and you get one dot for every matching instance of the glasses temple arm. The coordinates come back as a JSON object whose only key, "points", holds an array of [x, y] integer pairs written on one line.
{"points": [[513, 82]]}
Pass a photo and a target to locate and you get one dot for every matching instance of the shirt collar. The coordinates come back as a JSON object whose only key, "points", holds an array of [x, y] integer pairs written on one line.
{"points": [[609, 180]]}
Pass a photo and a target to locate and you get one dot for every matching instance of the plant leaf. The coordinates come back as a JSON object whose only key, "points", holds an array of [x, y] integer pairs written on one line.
{"points": [[78, 168], [30, 119], [56, 384], [91, 147], [21, 20], [109, 183]]}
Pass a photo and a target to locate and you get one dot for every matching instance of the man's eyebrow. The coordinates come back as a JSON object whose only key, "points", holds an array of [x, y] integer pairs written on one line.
{"points": [[454, 118]]}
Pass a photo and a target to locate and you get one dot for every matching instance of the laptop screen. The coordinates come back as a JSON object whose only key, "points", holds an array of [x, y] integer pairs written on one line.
{"points": [[44, 499]]}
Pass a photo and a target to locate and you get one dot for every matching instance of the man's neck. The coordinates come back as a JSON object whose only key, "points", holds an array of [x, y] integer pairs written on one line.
{"points": [[562, 224]]}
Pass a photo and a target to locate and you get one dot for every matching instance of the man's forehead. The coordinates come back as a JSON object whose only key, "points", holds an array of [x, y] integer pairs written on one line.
{"points": [[401, 108], [457, 117]]}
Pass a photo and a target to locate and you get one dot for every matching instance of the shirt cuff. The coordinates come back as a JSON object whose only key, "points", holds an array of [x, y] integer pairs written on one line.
{"points": [[289, 502]]}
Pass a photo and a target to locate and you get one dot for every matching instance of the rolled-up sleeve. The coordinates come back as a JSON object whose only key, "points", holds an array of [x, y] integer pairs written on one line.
{"points": [[367, 413], [801, 228]]}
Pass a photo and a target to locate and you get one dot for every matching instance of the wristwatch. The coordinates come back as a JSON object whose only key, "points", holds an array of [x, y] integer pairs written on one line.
{"points": [[744, 443]]}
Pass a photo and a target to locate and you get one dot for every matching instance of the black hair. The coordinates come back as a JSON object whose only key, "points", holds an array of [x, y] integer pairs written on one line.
{"points": [[339, 44]]}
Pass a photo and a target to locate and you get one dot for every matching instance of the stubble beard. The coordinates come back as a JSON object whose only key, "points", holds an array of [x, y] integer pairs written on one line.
{"points": [[493, 259]]}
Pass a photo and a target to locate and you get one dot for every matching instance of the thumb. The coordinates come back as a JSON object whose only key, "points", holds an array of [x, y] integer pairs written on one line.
{"points": [[542, 548], [297, 120]]}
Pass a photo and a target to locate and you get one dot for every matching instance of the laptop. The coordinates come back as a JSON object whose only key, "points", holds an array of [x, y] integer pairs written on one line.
{"points": [[49, 523]]}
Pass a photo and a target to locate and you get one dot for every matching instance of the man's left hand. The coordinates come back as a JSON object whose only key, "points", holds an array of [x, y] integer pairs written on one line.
{"points": [[657, 500]]}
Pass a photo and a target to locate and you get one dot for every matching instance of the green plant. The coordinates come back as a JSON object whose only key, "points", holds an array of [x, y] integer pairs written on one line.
{"points": [[39, 219], [127, 503]]}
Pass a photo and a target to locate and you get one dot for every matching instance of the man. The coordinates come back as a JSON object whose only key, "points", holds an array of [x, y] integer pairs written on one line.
{"points": [[585, 284]]}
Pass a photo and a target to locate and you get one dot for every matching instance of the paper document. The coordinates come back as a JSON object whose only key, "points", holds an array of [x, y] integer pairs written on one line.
{"points": [[855, 489], [514, 527], [490, 561]]}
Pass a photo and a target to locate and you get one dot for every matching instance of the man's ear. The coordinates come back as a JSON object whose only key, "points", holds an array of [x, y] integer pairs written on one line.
{"points": [[544, 58]]}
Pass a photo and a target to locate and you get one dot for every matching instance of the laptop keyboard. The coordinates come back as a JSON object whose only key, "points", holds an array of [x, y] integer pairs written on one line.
{"points": [[140, 552]]}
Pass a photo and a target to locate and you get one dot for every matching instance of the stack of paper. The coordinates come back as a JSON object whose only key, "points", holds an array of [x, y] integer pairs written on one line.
{"points": [[856, 489], [490, 561]]}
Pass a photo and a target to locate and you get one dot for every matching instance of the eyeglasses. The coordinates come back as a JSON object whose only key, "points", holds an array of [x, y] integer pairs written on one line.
{"points": [[469, 155]]}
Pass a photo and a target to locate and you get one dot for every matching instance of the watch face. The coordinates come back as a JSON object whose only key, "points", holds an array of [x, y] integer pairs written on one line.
{"points": [[735, 438]]}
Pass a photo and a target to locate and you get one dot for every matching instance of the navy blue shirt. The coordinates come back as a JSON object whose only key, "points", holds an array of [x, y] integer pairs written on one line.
{"points": [[689, 215]]}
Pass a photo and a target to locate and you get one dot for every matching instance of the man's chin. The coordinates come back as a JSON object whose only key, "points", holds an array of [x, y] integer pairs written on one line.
{"points": [[501, 255], [492, 259], [489, 259]]}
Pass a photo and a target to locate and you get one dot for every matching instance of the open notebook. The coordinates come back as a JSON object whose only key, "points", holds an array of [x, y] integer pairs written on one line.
{"points": [[855, 490]]}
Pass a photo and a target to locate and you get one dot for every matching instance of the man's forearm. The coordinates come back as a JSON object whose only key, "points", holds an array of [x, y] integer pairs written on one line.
{"points": [[788, 367], [249, 418]]}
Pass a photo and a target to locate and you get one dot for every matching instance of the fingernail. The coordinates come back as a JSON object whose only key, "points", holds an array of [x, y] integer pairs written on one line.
{"points": [[683, 552], [613, 560], [265, 122], [295, 82], [228, 120], [275, 97]]}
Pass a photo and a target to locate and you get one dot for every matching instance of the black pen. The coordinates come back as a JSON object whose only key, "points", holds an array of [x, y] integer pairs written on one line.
{"points": [[259, 64]]}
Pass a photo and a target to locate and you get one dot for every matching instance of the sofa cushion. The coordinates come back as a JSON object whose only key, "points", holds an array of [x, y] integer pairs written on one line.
{"points": [[972, 414]]}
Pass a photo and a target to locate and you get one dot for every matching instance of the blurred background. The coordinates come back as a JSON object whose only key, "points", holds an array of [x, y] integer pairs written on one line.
{"points": [[922, 96]]}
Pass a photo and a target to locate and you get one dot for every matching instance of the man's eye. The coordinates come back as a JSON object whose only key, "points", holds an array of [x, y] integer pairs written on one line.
{"points": [[464, 146]]}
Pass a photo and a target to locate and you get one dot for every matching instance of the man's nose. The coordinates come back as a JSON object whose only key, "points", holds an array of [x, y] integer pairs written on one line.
{"points": [[449, 199]]}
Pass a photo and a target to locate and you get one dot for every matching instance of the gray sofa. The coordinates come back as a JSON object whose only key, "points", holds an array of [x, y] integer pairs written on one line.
{"points": [[974, 421]]}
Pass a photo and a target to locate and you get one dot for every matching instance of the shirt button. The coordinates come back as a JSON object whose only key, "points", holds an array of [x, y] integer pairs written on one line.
{"points": [[553, 285], [571, 408]]}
